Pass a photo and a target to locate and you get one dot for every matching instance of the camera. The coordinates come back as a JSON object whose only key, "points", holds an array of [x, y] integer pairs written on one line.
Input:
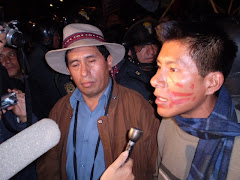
{"points": [[14, 37], [8, 100]]}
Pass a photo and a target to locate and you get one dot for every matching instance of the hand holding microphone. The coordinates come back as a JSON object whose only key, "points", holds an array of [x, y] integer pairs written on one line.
{"points": [[134, 135], [121, 168]]}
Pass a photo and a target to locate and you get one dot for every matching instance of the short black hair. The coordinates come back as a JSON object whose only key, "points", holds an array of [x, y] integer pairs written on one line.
{"points": [[101, 48], [209, 46]]}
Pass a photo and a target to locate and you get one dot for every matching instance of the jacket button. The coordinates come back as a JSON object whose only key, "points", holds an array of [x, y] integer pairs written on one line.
{"points": [[100, 121], [138, 73]]}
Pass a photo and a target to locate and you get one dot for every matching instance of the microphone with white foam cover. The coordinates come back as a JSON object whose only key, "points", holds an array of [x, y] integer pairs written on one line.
{"points": [[26, 146]]}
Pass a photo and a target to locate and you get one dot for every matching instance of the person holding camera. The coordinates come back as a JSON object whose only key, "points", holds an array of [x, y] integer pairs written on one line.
{"points": [[13, 119], [9, 59], [19, 73]]}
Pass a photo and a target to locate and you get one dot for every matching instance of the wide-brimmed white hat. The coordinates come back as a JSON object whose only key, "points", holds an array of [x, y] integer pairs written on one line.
{"points": [[81, 35]]}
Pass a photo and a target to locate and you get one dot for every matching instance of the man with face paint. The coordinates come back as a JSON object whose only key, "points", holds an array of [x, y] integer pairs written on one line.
{"points": [[199, 138]]}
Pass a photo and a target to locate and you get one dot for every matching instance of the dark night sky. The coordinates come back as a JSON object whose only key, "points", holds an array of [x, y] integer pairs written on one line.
{"points": [[30, 10], [33, 9]]}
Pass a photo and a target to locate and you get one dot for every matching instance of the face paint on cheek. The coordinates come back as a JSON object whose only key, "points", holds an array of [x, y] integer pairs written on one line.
{"points": [[176, 94], [192, 86], [179, 101], [179, 85], [182, 98]]}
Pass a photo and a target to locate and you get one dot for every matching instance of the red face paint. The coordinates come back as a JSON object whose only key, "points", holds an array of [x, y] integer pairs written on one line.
{"points": [[179, 85], [192, 86], [178, 101], [174, 94], [177, 98]]}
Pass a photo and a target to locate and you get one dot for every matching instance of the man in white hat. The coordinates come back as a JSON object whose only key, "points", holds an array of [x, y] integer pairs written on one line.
{"points": [[95, 118]]}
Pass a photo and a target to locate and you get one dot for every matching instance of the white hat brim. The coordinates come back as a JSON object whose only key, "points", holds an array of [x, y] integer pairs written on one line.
{"points": [[56, 58]]}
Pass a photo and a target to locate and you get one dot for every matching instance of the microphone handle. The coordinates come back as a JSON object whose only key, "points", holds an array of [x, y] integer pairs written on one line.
{"points": [[129, 148]]}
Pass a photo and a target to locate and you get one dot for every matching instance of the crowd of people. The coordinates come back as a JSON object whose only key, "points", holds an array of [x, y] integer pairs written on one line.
{"points": [[166, 78]]}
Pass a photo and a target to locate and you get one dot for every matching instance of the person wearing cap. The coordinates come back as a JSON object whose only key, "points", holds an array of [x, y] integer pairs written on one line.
{"points": [[139, 65], [94, 120]]}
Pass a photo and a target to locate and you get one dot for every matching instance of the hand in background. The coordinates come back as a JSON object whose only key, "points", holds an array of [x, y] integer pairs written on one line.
{"points": [[118, 170], [20, 108], [2, 39]]}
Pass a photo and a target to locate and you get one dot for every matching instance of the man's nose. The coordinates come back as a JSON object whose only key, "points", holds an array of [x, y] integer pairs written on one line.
{"points": [[6, 60], [84, 69], [158, 80], [151, 48]]}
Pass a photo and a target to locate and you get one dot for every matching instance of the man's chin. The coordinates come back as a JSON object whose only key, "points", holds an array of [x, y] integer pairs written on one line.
{"points": [[148, 61], [166, 113]]}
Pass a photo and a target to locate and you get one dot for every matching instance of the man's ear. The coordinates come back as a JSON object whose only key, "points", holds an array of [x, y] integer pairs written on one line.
{"points": [[214, 82], [68, 70], [109, 62]]}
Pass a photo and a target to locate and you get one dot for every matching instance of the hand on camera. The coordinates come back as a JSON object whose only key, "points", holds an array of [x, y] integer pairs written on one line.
{"points": [[20, 108]]}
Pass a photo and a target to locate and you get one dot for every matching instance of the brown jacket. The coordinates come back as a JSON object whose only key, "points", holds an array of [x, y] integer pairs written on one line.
{"points": [[127, 109]]}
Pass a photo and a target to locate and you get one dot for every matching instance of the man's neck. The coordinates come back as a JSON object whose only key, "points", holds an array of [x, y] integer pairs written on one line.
{"points": [[204, 110], [92, 102], [18, 76]]}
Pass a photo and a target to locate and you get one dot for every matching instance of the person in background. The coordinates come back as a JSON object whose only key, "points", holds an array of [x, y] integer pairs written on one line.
{"points": [[136, 70], [95, 118], [4, 78], [199, 136], [48, 85], [14, 118], [10, 61], [113, 31], [2, 39]]}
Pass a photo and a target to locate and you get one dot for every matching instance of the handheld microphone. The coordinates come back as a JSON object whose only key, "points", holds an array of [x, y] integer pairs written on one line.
{"points": [[134, 135], [26, 146]]}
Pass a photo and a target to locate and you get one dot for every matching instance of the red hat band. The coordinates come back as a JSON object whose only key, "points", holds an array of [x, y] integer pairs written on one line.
{"points": [[78, 36]]}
